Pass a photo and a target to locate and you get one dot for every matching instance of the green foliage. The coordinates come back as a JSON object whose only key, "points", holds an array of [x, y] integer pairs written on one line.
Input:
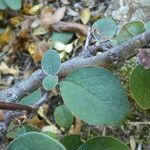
{"points": [[2, 30], [147, 26], [63, 116], [92, 94], [32, 98], [130, 30], [12, 4], [35, 141], [105, 27], [71, 142], [2, 5], [50, 82], [103, 143], [63, 37], [95, 95], [51, 134], [140, 86], [27, 128], [51, 62], [20, 130]]}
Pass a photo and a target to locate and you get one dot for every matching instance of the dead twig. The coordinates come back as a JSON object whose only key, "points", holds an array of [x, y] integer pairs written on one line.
{"points": [[16, 107], [19, 111]]}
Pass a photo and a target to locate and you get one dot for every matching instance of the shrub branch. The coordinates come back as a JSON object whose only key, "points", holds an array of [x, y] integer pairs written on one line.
{"points": [[116, 55]]}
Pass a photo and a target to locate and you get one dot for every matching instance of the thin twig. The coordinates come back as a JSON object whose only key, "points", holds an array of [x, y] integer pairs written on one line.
{"points": [[9, 115], [41, 101], [16, 107], [86, 51], [88, 38]]}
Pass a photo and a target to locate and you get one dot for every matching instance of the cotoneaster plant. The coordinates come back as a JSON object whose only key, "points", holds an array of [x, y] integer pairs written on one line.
{"points": [[93, 94]]}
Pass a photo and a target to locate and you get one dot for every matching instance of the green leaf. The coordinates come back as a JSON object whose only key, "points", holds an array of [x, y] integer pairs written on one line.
{"points": [[32, 98], [27, 128], [2, 30], [140, 86], [63, 37], [50, 82], [130, 30], [2, 5], [105, 27], [95, 96], [35, 141], [103, 143], [13, 4], [51, 134], [147, 26], [20, 130], [51, 62], [63, 116], [71, 142]]}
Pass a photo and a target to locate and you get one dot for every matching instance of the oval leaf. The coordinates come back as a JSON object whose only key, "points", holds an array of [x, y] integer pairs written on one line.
{"points": [[2, 30], [103, 143], [95, 96], [20, 130], [147, 26], [51, 62], [32, 98], [2, 5], [50, 82], [13, 4], [34, 140], [105, 27], [85, 15], [63, 116], [27, 128], [63, 37], [71, 142], [130, 30], [51, 134], [140, 86]]}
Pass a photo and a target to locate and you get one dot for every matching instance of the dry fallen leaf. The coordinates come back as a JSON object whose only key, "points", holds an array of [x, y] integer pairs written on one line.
{"points": [[59, 46], [68, 48], [85, 15], [76, 128], [35, 121], [37, 49], [62, 55], [16, 21], [42, 46], [132, 143], [51, 128], [32, 48], [48, 17], [40, 31], [25, 28], [34, 9], [71, 27], [35, 23], [5, 37], [4, 69], [26, 8]]}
